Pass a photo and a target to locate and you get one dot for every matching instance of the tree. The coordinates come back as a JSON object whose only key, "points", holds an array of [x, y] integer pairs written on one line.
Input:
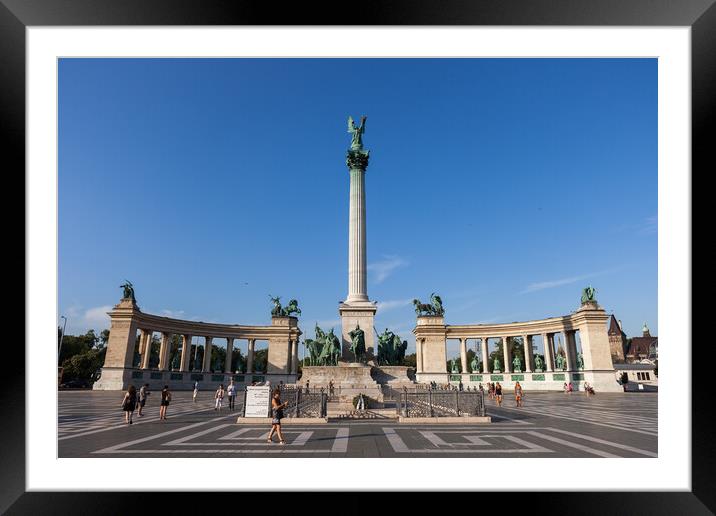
{"points": [[497, 353], [76, 345], [238, 361], [410, 360], [83, 366], [260, 360]]}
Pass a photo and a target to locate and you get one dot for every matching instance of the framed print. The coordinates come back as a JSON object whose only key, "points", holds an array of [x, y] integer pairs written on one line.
{"points": [[500, 161]]}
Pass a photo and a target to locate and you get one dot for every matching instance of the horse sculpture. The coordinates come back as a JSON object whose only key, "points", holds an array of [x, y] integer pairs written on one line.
{"points": [[434, 308], [292, 308]]}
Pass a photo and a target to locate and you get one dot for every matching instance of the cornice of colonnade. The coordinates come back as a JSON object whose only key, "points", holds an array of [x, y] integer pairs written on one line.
{"points": [[573, 321], [279, 327]]}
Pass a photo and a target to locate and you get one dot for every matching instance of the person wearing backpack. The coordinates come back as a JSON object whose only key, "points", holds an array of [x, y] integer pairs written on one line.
{"points": [[166, 398]]}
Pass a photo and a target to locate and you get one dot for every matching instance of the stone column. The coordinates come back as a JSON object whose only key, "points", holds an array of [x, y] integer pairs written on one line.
{"points": [[185, 352], [250, 356], [485, 365], [357, 278], [463, 355], [207, 355], [418, 357], [568, 351], [527, 348], [294, 356], [506, 355], [147, 349], [164, 352], [229, 351], [547, 345]]}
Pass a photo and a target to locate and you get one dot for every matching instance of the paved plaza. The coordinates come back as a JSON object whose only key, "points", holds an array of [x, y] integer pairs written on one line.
{"points": [[91, 424]]}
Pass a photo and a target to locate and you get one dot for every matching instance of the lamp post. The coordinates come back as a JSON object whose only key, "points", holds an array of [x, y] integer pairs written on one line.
{"points": [[62, 337]]}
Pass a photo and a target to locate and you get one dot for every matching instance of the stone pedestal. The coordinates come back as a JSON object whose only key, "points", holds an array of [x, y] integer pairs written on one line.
{"points": [[348, 380], [362, 314]]}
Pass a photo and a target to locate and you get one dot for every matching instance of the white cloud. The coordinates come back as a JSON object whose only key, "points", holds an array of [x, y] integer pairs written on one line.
{"points": [[97, 318], [384, 306], [384, 268], [533, 287], [176, 314]]}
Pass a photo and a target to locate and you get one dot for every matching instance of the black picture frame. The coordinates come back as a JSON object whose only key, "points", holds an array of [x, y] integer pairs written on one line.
{"points": [[17, 15]]}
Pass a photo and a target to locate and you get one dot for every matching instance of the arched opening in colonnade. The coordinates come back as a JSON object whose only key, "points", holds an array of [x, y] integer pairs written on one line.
{"points": [[239, 355], [517, 350], [196, 355], [473, 351], [155, 346], [495, 351], [137, 357], [218, 355], [538, 345], [452, 353], [260, 356]]}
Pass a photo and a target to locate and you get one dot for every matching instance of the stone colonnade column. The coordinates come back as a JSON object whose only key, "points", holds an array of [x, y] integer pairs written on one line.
{"points": [[207, 355], [294, 356], [527, 348], [547, 345], [185, 352], [147, 348], [229, 352], [418, 356], [250, 356], [164, 352], [506, 355], [463, 355], [485, 367], [567, 350], [571, 359]]}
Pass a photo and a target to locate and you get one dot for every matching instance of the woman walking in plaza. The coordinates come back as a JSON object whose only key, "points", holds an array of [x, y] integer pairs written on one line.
{"points": [[196, 391], [276, 413], [231, 393], [518, 395], [129, 403], [498, 394], [166, 398], [219, 397]]}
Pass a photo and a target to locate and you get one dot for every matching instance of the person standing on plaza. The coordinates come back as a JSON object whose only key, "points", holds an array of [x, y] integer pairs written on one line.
{"points": [[498, 394], [196, 391], [276, 414], [330, 387], [166, 398], [129, 403], [219, 397], [231, 392], [143, 393], [570, 388], [518, 395], [565, 387]]}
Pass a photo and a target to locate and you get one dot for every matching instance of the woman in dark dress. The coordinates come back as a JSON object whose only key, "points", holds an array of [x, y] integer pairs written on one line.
{"points": [[276, 415], [166, 398], [129, 403]]}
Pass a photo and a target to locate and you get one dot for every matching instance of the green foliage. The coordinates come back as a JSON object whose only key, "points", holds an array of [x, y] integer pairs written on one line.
{"points": [[84, 366], [238, 361], [410, 360], [260, 360], [76, 344]]}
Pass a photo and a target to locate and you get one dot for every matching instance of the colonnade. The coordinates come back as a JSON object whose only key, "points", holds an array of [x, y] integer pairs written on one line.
{"points": [[145, 341], [570, 349], [596, 367], [127, 322]]}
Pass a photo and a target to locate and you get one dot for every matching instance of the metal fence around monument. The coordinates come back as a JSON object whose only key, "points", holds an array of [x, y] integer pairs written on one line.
{"points": [[441, 403], [304, 403]]}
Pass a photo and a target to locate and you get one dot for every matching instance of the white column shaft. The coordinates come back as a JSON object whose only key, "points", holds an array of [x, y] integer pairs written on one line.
{"points": [[357, 277]]}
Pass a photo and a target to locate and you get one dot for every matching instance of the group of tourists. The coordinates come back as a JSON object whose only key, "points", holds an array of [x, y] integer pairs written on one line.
{"points": [[136, 401]]}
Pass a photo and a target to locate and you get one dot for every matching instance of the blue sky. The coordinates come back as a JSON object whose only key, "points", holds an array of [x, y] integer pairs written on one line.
{"points": [[504, 185]]}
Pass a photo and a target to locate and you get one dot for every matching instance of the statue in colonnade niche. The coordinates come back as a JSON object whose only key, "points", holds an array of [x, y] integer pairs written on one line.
{"points": [[539, 365], [453, 366], [474, 364], [580, 361], [517, 365], [496, 366], [560, 362]]}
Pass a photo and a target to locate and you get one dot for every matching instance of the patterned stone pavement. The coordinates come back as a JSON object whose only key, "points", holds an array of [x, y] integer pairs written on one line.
{"points": [[91, 424]]}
